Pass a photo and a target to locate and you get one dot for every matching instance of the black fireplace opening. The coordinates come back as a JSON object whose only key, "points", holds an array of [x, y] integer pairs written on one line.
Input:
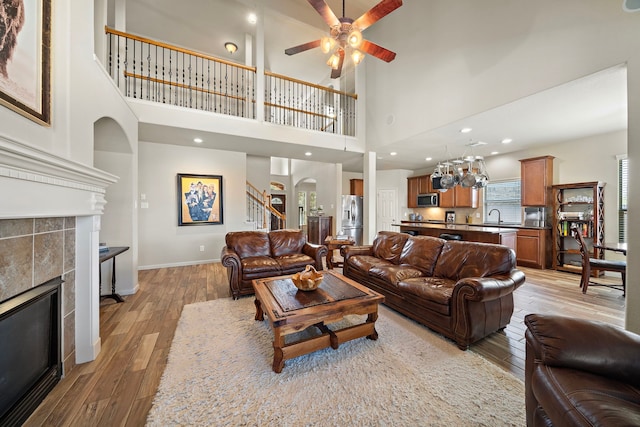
{"points": [[30, 360]]}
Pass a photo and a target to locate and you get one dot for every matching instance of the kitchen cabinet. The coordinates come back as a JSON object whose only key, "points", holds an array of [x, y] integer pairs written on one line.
{"points": [[459, 197], [580, 205], [417, 185], [536, 175], [318, 228], [532, 249], [356, 187]]}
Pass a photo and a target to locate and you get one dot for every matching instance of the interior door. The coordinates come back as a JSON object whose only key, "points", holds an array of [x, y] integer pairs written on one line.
{"points": [[387, 209]]}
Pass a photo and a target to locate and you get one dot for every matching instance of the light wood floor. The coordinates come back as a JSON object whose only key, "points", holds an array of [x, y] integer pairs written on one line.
{"points": [[118, 387]]}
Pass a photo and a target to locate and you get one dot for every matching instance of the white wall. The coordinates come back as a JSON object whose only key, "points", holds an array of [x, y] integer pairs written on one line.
{"points": [[162, 242], [259, 171]]}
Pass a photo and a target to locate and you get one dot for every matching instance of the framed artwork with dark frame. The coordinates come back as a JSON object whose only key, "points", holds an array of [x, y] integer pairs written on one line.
{"points": [[25, 58], [199, 199]]}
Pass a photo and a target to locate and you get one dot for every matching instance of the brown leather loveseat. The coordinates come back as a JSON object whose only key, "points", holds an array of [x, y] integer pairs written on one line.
{"points": [[581, 373], [463, 290], [252, 255]]}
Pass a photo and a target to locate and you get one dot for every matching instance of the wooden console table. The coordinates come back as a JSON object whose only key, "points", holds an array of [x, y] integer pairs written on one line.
{"points": [[105, 256], [332, 244]]}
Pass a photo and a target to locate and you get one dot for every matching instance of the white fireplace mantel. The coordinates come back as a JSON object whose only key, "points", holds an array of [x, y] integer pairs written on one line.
{"points": [[34, 184], [37, 184]]}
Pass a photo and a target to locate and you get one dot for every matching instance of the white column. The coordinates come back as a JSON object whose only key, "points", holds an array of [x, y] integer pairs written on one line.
{"points": [[260, 83], [632, 316], [87, 289], [370, 214]]}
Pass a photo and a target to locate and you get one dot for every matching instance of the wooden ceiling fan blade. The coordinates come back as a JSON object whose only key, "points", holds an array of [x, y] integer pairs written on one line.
{"points": [[302, 47], [335, 73], [376, 13], [377, 51], [325, 11]]}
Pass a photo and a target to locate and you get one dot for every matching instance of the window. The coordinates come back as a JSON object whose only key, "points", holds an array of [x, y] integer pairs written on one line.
{"points": [[505, 197], [623, 191]]}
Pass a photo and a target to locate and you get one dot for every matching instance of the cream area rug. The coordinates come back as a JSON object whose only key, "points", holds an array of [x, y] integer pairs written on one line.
{"points": [[219, 374]]}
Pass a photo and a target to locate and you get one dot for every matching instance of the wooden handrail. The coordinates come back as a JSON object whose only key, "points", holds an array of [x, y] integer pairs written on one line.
{"points": [[254, 188], [328, 89], [176, 48], [183, 86], [255, 198], [297, 110]]}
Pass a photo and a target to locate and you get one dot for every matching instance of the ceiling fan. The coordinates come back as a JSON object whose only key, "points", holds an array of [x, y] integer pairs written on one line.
{"points": [[346, 33]]}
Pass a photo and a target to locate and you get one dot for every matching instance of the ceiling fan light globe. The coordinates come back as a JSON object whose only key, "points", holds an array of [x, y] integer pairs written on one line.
{"points": [[357, 57], [333, 61], [326, 44], [355, 39]]}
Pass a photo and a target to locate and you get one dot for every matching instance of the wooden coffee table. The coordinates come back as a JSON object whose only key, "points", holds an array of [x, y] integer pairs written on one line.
{"points": [[290, 310]]}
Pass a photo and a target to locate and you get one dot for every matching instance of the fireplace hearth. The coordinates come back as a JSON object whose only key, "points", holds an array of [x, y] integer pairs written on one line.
{"points": [[30, 360]]}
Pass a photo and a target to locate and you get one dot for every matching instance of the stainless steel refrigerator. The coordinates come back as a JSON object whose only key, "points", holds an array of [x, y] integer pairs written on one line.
{"points": [[351, 224]]}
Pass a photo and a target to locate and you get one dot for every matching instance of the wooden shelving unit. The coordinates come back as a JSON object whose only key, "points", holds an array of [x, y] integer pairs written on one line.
{"points": [[580, 204]]}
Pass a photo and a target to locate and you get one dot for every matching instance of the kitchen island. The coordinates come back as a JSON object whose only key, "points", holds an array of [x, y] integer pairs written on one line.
{"points": [[471, 233]]}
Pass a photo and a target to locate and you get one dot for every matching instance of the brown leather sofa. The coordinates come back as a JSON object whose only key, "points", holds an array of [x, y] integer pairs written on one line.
{"points": [[252, 255], [581, 373], [463, 290]]}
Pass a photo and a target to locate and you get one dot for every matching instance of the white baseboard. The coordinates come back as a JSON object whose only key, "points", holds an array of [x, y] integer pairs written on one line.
{"points": [[176, 264]]}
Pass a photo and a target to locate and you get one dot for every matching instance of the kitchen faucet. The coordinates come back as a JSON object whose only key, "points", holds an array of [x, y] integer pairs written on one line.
{"points": [[497, 210]]}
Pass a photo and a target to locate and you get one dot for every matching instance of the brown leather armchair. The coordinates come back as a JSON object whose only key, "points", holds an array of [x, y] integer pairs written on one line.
{"points": [[250, 255], [581, 373]]}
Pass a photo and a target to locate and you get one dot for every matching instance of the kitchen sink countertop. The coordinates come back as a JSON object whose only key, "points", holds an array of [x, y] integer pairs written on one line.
{"points": [[457, 227], [490, 224]]}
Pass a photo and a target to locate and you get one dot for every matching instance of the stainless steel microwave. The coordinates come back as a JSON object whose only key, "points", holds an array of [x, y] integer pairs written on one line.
{"points": [[428, 200]]}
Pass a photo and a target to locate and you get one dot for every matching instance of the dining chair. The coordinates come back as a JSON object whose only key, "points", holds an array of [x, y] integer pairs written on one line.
{"points": [[589, 264]]}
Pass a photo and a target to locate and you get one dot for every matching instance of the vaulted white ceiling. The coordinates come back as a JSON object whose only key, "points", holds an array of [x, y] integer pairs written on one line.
{"points": [[591, 105]]}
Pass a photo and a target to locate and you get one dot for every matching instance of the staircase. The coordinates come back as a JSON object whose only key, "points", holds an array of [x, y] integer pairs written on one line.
{"points": [[260, 212]]}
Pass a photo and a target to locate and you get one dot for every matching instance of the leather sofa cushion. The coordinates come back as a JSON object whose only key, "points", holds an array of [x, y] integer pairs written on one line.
{"points": [[258, 265], [388, 245], [422, 252], [295, 262], [249, 243], [285, 242], [394, 273], [434, 292], [574, 397], [470, 259], [364, 263]]}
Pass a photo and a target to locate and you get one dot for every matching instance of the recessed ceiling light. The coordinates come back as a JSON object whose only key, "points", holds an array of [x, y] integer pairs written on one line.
{"points": [[197, 140], [507, 140], [493, 153], [465, 130], [308, 153], [428, 159], [393, 153], [252, 18]]}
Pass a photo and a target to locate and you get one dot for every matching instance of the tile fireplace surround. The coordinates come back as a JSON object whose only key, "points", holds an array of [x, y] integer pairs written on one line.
{"points": [[33, 251], [49, 226]]}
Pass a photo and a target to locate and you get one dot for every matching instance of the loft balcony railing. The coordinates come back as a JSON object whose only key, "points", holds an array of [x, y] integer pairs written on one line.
{"points": [[154, 71]]}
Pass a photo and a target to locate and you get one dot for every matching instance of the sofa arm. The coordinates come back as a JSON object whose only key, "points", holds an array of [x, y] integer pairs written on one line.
{"points": [[317, 252], [231, 260], [357, 250], [488, 288], [587, 345]]}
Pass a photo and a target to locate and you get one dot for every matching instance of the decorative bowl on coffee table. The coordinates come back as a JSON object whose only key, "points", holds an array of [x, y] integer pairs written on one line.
{"points": [[307, 280]]}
